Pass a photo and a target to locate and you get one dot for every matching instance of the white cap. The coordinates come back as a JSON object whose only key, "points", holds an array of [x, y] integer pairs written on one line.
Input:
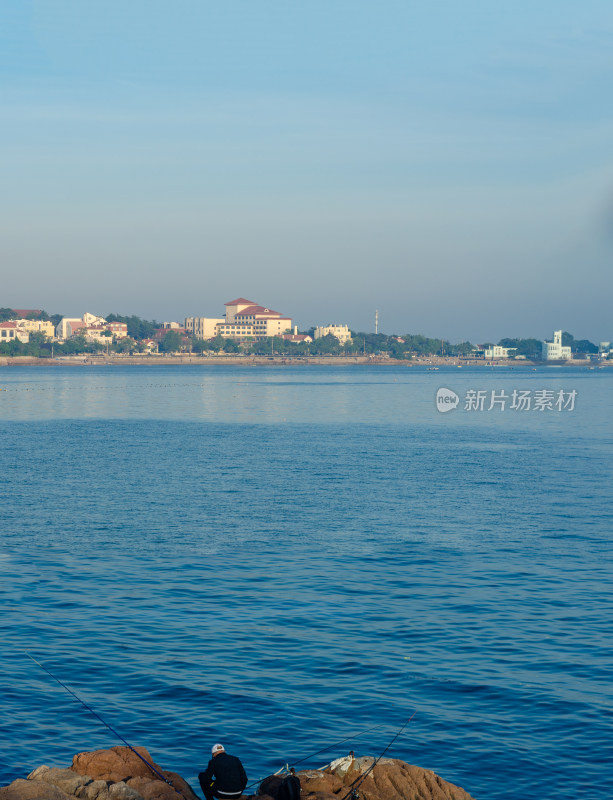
{"points": [[217, 748]]}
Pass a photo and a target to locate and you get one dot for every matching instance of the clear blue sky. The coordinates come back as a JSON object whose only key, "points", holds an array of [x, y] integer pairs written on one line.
{"points": [[449, 163]]}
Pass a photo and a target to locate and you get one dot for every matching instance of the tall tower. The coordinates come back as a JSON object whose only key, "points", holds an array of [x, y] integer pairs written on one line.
{"points": [[377, 320]]}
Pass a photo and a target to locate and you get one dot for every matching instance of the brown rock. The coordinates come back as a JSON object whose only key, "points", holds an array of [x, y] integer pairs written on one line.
{"points": [[94, 790], [64, 779], [121, 791], [116, 764], [390, 779], [120, 764], [22, 789]]}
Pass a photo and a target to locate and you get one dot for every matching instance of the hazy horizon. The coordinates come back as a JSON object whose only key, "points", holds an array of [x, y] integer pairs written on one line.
{"points": [[449, 166]]}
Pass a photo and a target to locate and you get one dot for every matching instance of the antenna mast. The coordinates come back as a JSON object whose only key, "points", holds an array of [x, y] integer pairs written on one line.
{"points": [[376, 321]]}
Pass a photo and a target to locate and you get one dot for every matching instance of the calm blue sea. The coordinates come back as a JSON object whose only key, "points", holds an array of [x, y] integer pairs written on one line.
{"points": [[277, 558]]}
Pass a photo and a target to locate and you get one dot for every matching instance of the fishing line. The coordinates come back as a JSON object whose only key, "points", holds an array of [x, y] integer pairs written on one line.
{"points": [[91, 710], [337, 744], [323, 750], [353, 789]]}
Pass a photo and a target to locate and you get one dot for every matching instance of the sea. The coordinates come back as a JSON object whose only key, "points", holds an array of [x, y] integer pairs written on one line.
{"points": [[295, 561]]}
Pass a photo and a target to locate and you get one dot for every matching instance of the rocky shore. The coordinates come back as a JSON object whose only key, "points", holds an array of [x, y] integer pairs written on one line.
{"points": [[118, 774]]}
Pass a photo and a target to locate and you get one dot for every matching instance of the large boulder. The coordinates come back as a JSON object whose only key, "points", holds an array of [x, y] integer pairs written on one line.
{"points": [[115, 774], [22, 789], [64, 779], [115, 764], [389, 779], [121, 764]]}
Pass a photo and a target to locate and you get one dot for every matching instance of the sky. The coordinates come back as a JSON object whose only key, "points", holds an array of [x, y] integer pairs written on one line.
{"points": [[447, 163]]}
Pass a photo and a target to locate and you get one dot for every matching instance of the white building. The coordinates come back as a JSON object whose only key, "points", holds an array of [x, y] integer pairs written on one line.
{"points": [[297, 338], [496, 351], [68, 326], [342, 332], [92, 319], [554, 351]]}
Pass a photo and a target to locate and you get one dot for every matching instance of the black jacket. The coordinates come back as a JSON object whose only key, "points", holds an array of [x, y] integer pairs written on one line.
{"points": [[227, 771]]}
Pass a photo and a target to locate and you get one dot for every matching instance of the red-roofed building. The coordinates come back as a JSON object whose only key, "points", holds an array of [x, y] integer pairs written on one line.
{"points": [[118, 329], [9, 332], [20, 313], [68, 326], [161, 332], [246, 319], [298, 338]]}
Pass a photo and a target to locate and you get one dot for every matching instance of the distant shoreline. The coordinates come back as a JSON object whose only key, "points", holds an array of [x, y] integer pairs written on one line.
{"points": [[263, 361]]}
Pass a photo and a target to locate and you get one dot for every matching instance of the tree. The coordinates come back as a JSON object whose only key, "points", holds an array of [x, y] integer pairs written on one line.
{"points": [[327, 344], [578, 345], [584, 346], [230, 346], [531, 348], [461, 349], [137, 328], [124, 345], [75, 345], [200, 345], [171, 343], [216, 344]]}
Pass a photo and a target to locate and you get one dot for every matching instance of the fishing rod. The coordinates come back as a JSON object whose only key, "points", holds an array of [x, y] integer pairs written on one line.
{"points": [[353, 789], [91, 710], [324, 749]]}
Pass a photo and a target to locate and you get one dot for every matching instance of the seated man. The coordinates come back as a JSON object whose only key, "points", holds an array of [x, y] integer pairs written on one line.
{"points": [[224, 776]]}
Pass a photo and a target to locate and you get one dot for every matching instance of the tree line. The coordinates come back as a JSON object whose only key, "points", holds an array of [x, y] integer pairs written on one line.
{"points": [[403, 346]]}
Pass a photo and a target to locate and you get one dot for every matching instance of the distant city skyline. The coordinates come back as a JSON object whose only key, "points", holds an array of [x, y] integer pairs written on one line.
{"points": [[180, 319], [447, 164]]}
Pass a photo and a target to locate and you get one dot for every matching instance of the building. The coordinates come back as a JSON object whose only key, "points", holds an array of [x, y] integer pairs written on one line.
{"points": [[243, 319], [92, 319], [118, 329], [9, 332], [160, 333], [27, 312], [246, 319], [298, 338], [496, 351], [94, 333], [203, 327], [342, 332], [555, 351], [68, 326], [36, 326], [94, 328]]}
